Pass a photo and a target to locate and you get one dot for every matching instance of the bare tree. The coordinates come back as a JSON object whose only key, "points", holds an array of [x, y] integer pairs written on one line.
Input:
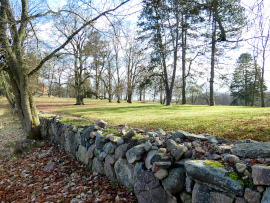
{"points": [[260, 44], [13, 32]]}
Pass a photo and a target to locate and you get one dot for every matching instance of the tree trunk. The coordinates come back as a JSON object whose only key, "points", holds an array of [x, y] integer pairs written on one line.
{"points": [[7, 92], [129, 98], [184, 42], [25, 106], [79, 99], [212, 74], [246, 91], [110, 84], [161, 91], [262, 82]]}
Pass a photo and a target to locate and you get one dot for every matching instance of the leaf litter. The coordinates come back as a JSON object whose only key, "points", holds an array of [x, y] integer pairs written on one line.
{"points": [[47, 175]]}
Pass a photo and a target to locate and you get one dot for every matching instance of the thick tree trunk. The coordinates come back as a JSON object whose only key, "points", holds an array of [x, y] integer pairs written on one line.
{"points": [[212, 74], [25, 105], [79, 100], [129, 98]]}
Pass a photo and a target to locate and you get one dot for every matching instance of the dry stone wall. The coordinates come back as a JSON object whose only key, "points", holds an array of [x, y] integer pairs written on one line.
{"points": [[169, 166]]}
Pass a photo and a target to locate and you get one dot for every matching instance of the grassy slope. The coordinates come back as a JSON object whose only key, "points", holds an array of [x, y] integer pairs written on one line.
{"points": [[224, 121]]}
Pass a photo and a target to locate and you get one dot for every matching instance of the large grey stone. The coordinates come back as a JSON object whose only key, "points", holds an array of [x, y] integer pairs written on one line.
{"points": [[213, 177], [240, 200], [101, 123], [252, 150], [135, 153], [148, 190], [90, 151], [218, 197], [82, 155], [149, 156], [160, 132], [147, 146], [130, 134], [171, 144], [178, 152], [261, 175], [200, 194], [160, 165], [86, 133], [102, 156], [121, 150], [175, 181], [161, 174], [179, 134], [109, 170], [231, 159], [124, 172], [161, 157], [99, 140], [111, 158], [222, 149], [114, 138], [109, 148], [189, 184], [97, 166], [71, 143], [241, 168], [193, 137], [266, 196], [252, 196], [185, 197], [138, 169]]}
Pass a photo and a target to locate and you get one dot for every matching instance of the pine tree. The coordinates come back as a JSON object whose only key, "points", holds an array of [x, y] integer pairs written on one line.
{"points": [[245, 84]]}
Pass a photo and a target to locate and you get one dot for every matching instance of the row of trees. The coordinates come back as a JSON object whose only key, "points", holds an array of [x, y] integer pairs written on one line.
{"points": [[176, 51]]}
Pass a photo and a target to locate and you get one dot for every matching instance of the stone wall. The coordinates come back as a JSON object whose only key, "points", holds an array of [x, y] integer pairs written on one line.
{"points": [[169, 167]]}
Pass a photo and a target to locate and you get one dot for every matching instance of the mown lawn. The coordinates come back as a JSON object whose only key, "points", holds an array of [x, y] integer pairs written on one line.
{"points": [[224, 121]]}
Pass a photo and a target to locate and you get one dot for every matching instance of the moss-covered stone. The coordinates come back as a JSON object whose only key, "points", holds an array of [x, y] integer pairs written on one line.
{"points": [[213, 163]]}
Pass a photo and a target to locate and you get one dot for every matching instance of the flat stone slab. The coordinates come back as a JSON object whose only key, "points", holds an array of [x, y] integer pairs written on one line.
{"points": [[252, 150], [261, 175], [213, 177], [193, 137], [148, 189]]}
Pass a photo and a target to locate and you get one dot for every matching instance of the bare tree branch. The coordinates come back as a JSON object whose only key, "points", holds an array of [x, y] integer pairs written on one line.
{"points": [[71, 36]]}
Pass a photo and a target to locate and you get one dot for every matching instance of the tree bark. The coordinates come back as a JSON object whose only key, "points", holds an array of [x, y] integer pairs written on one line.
{"points": [[212, 74], [184, 42]]}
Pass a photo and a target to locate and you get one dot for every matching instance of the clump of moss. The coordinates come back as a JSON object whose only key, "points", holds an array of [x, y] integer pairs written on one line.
{"points": [[110, 130], [213, 164], [138, 137], [234, 176], [17, 152], [247, 182]]}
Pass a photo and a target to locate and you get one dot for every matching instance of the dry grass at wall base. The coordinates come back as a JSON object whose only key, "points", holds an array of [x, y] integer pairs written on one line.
{"points": [[11, 130]]}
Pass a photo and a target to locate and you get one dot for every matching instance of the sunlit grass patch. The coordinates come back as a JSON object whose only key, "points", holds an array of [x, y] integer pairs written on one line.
{"points": [[229, 122]]}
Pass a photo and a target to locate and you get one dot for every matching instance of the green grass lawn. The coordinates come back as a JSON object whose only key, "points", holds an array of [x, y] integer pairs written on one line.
{"points": [[224, 121]]}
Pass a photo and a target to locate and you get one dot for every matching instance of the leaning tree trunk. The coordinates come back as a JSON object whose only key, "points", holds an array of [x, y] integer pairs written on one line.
{"points": [[25, 105]]}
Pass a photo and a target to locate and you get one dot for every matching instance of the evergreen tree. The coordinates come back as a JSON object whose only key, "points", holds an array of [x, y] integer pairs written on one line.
{"points": [[245, 84], [164, 26]]}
